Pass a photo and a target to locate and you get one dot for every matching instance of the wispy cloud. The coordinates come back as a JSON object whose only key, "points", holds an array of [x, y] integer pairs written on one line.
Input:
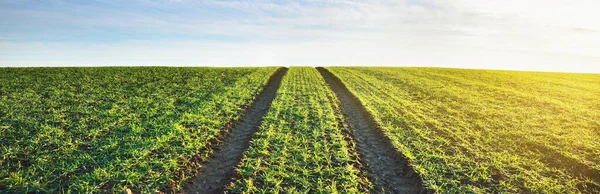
{"points": [[471, 33]]}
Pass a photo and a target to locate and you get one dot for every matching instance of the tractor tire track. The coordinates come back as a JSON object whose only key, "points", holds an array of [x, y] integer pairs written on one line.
{"points": [[216, 172], [387, 168]]}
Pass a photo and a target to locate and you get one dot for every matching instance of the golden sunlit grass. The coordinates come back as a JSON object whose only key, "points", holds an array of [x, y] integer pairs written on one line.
{"points": [[488, 131]]}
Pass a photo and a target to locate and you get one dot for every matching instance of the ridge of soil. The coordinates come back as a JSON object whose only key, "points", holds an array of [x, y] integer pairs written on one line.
{"points": [[218, 170], [387, 168]]}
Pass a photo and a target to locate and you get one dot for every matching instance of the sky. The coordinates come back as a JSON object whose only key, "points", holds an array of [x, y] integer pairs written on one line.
{"points": [[539, 35]]}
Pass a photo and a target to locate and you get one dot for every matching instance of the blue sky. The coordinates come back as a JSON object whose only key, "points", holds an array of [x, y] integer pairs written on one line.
{"points": [[550, 35]]}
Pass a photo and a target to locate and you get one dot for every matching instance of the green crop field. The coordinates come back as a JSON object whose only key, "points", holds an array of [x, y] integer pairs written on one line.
{"points": [[301, 145], [433, 130], [488, 131], [108, 129]]}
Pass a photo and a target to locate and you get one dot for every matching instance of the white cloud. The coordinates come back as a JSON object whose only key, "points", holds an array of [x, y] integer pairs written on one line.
{"points": [[530, 35]]}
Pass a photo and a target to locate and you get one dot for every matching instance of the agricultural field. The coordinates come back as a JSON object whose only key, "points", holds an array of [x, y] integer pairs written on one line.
{"points": [[297, 130], [302, 145], [114, 129], [479, 131]]}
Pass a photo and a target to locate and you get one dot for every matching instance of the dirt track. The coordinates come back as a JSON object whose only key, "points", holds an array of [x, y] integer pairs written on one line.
{"points": [[217, 171], [386, 167]]}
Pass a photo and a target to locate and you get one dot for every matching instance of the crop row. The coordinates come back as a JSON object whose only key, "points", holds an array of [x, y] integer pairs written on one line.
{"points": [[488, 131], [302, 145]]}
